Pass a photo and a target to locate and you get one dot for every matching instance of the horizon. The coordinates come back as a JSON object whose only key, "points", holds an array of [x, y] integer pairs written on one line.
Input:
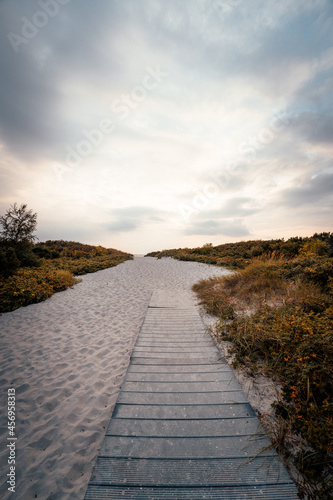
{"points": [[175, 248], [157, 125]]}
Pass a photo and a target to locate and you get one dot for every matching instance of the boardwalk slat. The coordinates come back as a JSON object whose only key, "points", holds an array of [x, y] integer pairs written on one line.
{"points": [[179, 387], [198, 447], [172, 360], [175, 349], [179, 412], [179, 377], [279, 491], [183, 428], [148, 472], [183, 398], [220, 367]]}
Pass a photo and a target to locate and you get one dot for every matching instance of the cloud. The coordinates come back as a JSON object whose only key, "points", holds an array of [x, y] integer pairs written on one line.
{"points": [[313, 127], [131, 218], [312, 191], [231, 67], [123, 225], [48, 88], [212, 227], [239, 207]]}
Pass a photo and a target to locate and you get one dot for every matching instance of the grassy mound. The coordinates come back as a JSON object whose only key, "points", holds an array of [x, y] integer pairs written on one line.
{"points": [[52, 270], [239, 255], [278, 314]]}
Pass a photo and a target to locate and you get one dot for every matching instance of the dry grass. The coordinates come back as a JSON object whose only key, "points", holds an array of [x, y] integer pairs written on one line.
{"points": [[243, 291], [278, 315]]}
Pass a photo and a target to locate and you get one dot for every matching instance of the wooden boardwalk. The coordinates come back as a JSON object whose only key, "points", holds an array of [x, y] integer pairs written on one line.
{"points": [[182, 427]]}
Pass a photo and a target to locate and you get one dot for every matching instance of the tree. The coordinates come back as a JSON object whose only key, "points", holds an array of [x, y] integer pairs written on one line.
{"points": [[17, 238], [18, 225]]}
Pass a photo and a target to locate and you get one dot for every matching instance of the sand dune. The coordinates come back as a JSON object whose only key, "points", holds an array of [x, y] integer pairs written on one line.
{"points": [[66, 358]]}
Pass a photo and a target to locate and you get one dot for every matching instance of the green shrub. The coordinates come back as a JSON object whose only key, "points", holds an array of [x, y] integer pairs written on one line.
{"points": [[8, 261], [29, 286]]}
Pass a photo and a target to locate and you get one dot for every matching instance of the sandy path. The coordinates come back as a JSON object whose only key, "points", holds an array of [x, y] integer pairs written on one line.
{"points": [[66, 358]]}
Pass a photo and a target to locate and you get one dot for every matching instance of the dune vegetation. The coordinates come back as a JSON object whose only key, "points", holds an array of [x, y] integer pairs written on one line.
{"points": [[239, 255], [30, 273], [276, 310]]}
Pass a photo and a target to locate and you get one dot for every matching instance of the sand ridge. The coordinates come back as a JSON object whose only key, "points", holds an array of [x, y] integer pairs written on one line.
{"points": [[66, 358]]}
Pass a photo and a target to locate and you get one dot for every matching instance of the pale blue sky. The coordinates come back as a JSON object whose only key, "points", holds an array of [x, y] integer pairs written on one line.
{"points": [[153, 124]]}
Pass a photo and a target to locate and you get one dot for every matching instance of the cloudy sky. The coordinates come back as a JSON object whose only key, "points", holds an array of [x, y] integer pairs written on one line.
{"points": [[151, 124]]}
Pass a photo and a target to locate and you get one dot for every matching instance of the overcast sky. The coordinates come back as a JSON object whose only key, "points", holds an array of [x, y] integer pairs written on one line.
{"points": [[151, 124]]}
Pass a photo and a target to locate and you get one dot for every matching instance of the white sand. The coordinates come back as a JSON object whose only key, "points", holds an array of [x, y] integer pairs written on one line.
{"points": [[66, 358]]}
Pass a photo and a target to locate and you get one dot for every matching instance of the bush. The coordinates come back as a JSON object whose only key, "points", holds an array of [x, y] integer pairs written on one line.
{"points": [[23, 286], [283, 324], [8, 261], [214, 297], [44, 253], [314, 246], [20, 255], [29, 286], [240, 254], [298, 346]]}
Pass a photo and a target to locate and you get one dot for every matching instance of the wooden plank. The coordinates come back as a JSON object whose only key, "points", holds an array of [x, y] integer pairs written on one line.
{"points": [[220, 367], [278, 491], [173, 360], [180, 411], [208, 472], [181, 387], [179, 377], [183, 398], [197, 447], [183, 428]]}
